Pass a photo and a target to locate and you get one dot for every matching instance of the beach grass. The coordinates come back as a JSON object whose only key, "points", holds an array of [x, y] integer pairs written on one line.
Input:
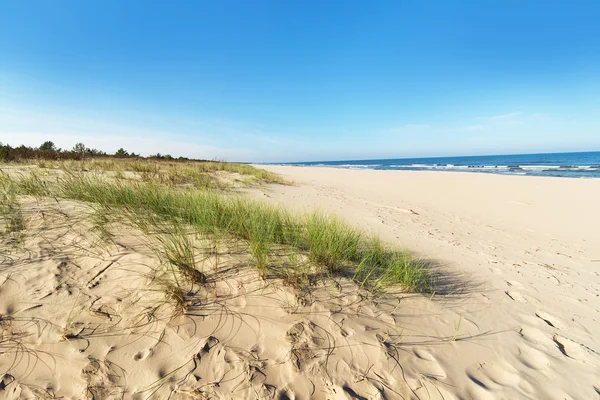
{"points": [[333, 247], [10, 212], [200, 174]]}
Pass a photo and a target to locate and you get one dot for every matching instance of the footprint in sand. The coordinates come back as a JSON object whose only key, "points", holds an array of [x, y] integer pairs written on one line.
{"points": [[346, 331], [478, 390], [520, 297], [428, 365], [502, 373], [527, 388], [286, 395], [9, 388], [569, 348], [239, 301], [483, 382], [493, 377], [349, 392], [515, 284], [535, 336], [533, 358], [423, 354], [550, 320], [142, 355]]}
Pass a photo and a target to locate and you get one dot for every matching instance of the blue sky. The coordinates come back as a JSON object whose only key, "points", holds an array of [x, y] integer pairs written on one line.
{"points": [[302, 80]]}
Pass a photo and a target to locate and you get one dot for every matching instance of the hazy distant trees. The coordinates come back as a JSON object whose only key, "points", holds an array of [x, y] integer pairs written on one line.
{"points": [[48, 146], [5, 152], [121, 153], [79, 148], [162, 157], [95, 152], [49, 151]]}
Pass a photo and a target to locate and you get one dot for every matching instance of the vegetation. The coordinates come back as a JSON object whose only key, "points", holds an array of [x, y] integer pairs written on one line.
{"points": [[329, 246], [11, 218], [46, 151], [158, 167], [48, 146], [49, 151], [161, 191], [195, 241]]}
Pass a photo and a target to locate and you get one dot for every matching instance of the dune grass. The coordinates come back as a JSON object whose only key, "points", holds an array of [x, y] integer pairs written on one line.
{"points": [[12, 221], [333, 247], [10, 213], [200, 174]]}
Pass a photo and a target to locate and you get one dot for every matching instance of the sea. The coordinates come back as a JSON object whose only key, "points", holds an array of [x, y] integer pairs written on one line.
{"points": [[569, 165]]}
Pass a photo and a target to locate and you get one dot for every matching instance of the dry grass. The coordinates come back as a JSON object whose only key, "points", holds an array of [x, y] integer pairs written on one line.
{"points": [[199, 174]]}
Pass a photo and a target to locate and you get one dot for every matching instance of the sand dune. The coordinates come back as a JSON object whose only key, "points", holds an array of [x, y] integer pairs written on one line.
{"points": [[85, 317], [86, 313]]}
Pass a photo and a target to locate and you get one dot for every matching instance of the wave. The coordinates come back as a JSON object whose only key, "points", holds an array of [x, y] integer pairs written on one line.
{"points": [[355, 166], [537, 168]]}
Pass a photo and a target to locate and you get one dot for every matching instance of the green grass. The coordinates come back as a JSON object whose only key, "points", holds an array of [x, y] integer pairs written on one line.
{"points": [[332, 246], [200, 174], [12, 222], [177, 247], [332, 243]]}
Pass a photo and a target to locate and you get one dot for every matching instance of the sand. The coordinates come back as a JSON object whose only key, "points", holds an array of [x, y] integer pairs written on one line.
{"points": [[515, 313], [527, 250]]}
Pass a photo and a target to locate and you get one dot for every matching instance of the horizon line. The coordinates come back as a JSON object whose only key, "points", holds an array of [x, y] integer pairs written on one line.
{"points": [[423, 158]]}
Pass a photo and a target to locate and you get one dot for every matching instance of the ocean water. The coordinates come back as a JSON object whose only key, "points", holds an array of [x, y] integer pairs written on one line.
{"points": [[571, 165]]}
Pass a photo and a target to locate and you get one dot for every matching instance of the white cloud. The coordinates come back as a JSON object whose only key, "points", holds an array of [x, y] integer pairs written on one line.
{"points": [[407, 128], [512, 123], [512, 119], [417, 126], [505, 116], [474, 127], [540, 116]]}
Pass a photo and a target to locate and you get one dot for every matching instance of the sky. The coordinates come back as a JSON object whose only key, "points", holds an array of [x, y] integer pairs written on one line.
{"points": [[277, 81]]}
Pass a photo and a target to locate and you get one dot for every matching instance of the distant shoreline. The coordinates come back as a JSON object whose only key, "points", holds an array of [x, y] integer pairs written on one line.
{"points": [[568, 165]]}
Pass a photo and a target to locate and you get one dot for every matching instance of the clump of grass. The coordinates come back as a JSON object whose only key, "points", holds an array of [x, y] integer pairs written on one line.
{"points": [[379, 268], [334, 246], [331, 242], [33, 185], [244, 169], [179, 251], [173, 243], [100, 221], [174, 294], [260, 224], [297, 272], [10, 210]]}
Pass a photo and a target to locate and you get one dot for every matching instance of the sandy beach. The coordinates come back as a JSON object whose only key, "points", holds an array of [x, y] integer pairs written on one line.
{"points": [[526, 249], [99, 302], [296, 200]]}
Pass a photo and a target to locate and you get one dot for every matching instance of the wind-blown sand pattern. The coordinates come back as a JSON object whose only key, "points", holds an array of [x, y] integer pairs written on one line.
{"points": [[515, 312]]}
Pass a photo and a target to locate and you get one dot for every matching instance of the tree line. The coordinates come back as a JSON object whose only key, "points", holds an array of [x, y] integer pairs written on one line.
{"points": [[49, 151]]}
